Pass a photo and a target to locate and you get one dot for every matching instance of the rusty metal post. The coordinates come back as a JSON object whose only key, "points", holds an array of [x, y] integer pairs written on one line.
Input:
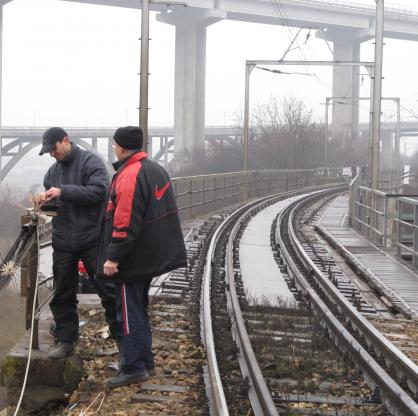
{"points": [[28, 279], [415, 239], [191, 197], [30, 298]]}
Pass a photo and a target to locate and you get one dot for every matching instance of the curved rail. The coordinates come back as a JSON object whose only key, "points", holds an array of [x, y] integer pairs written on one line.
{"points": [[217, 400], [395, 398], [215, 392], [260, 397]]}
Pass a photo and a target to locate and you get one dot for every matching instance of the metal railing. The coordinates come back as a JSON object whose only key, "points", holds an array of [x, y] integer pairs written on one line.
{"points": [[373, 213], [407, 228], [195, 195], [396, 9], [199, 195]]}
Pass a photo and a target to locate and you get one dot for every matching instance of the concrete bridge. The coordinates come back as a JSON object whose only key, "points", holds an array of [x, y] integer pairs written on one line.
{"points": [[345, 24], [16, 142]]}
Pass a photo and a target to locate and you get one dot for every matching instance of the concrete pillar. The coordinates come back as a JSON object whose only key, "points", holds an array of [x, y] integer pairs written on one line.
{"points": [[345, 116], [346, 81], [190, 78], [189, 89]]}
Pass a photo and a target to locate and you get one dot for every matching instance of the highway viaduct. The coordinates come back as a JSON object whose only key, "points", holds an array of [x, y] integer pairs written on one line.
{"points": [[16, 142], [344, 24]]}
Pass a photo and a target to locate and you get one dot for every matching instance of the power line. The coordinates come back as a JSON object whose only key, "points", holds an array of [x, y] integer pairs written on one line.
{"points": [[411, 112], [278, 71]]}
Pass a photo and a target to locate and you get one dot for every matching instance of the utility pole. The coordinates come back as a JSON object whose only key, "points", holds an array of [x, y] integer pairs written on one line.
{"points": [[143, 87], [248, 70], [377, 95], [144, 71], [397, 144], [326, 133]]}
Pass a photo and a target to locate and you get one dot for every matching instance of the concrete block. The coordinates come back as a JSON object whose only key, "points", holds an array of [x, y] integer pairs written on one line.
{"points": [[49, 381]]}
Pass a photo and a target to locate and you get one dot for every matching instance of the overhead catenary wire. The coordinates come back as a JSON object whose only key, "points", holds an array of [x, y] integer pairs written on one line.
{"points": [[278, 71], [411, 112], [281, 13]]}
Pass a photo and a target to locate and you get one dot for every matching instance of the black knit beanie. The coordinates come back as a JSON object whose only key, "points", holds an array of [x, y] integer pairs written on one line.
{"points": [[129, 137]]}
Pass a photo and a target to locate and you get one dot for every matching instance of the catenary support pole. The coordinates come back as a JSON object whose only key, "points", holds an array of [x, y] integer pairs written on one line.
{"points": [[326, 133], [143, 93], [248, 70], [397, 143], [1, 88], [377, 92]]}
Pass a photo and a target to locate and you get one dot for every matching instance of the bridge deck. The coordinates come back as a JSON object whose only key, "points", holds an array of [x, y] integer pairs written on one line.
{"points": [[384, 266]]}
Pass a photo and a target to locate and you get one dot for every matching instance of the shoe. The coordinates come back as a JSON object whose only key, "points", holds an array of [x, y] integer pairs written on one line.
{"points": [[124, 379], [61, 350]]}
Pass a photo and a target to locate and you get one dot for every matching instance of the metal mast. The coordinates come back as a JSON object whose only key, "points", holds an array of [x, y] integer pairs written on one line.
{"points": [[377, 95], [143, 88]]}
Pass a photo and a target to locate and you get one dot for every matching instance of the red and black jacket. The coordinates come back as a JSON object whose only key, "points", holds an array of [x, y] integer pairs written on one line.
{"points": [[141, 228]]}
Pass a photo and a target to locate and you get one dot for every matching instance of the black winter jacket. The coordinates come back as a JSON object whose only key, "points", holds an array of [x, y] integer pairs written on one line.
{"points": [[83, 181], [141, 228]]}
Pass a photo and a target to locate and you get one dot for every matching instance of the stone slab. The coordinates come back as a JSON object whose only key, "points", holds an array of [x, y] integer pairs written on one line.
{"points": [[147, 398]]}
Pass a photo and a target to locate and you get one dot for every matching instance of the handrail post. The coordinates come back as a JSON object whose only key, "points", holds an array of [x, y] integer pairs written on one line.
{"points": [[414, 258], [385, 219], [29, 278], [191, 197], [399, 203]]}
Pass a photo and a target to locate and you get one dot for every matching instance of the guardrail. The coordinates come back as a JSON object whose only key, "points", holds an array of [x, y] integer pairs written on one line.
{"points": [[199, 195], [396, 9], [407, 228], [373, 213], [195, 195], [387, 219]]}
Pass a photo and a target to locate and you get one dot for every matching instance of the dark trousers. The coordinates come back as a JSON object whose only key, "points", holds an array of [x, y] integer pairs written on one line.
{"points": [[64, 303], [132, 313]]}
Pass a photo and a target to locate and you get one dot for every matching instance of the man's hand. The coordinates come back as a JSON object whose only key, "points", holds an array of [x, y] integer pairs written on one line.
{"points": [[51, 193], [110, 268]]}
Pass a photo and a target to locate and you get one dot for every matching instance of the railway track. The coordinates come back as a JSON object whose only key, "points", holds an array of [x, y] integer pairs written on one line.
{"points": [[308, 357], [385, 367], [335, 300]]}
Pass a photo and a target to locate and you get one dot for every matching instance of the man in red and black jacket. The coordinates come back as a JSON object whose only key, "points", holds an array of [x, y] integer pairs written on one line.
{"points": [[140, 238]]}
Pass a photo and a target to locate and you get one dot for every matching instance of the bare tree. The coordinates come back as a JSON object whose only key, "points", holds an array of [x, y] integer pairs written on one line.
{"points": [[287, 136], [283, 135]]}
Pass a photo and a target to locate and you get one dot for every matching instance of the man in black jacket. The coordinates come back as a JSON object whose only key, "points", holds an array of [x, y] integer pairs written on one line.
{"points": [[77, 183], [140, 238]]}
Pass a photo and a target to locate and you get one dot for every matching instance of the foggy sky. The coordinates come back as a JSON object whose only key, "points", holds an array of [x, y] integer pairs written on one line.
{"points": [[77, 65]]}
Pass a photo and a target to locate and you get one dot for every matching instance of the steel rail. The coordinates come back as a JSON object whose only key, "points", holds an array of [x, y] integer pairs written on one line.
{"points": [[394, 397], [392, 354], [216, 396], [260, 397], [214, 390], [401, 305]]}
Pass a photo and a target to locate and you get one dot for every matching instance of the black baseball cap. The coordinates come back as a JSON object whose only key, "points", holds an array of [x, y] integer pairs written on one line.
{"points": [[50, 139]]}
